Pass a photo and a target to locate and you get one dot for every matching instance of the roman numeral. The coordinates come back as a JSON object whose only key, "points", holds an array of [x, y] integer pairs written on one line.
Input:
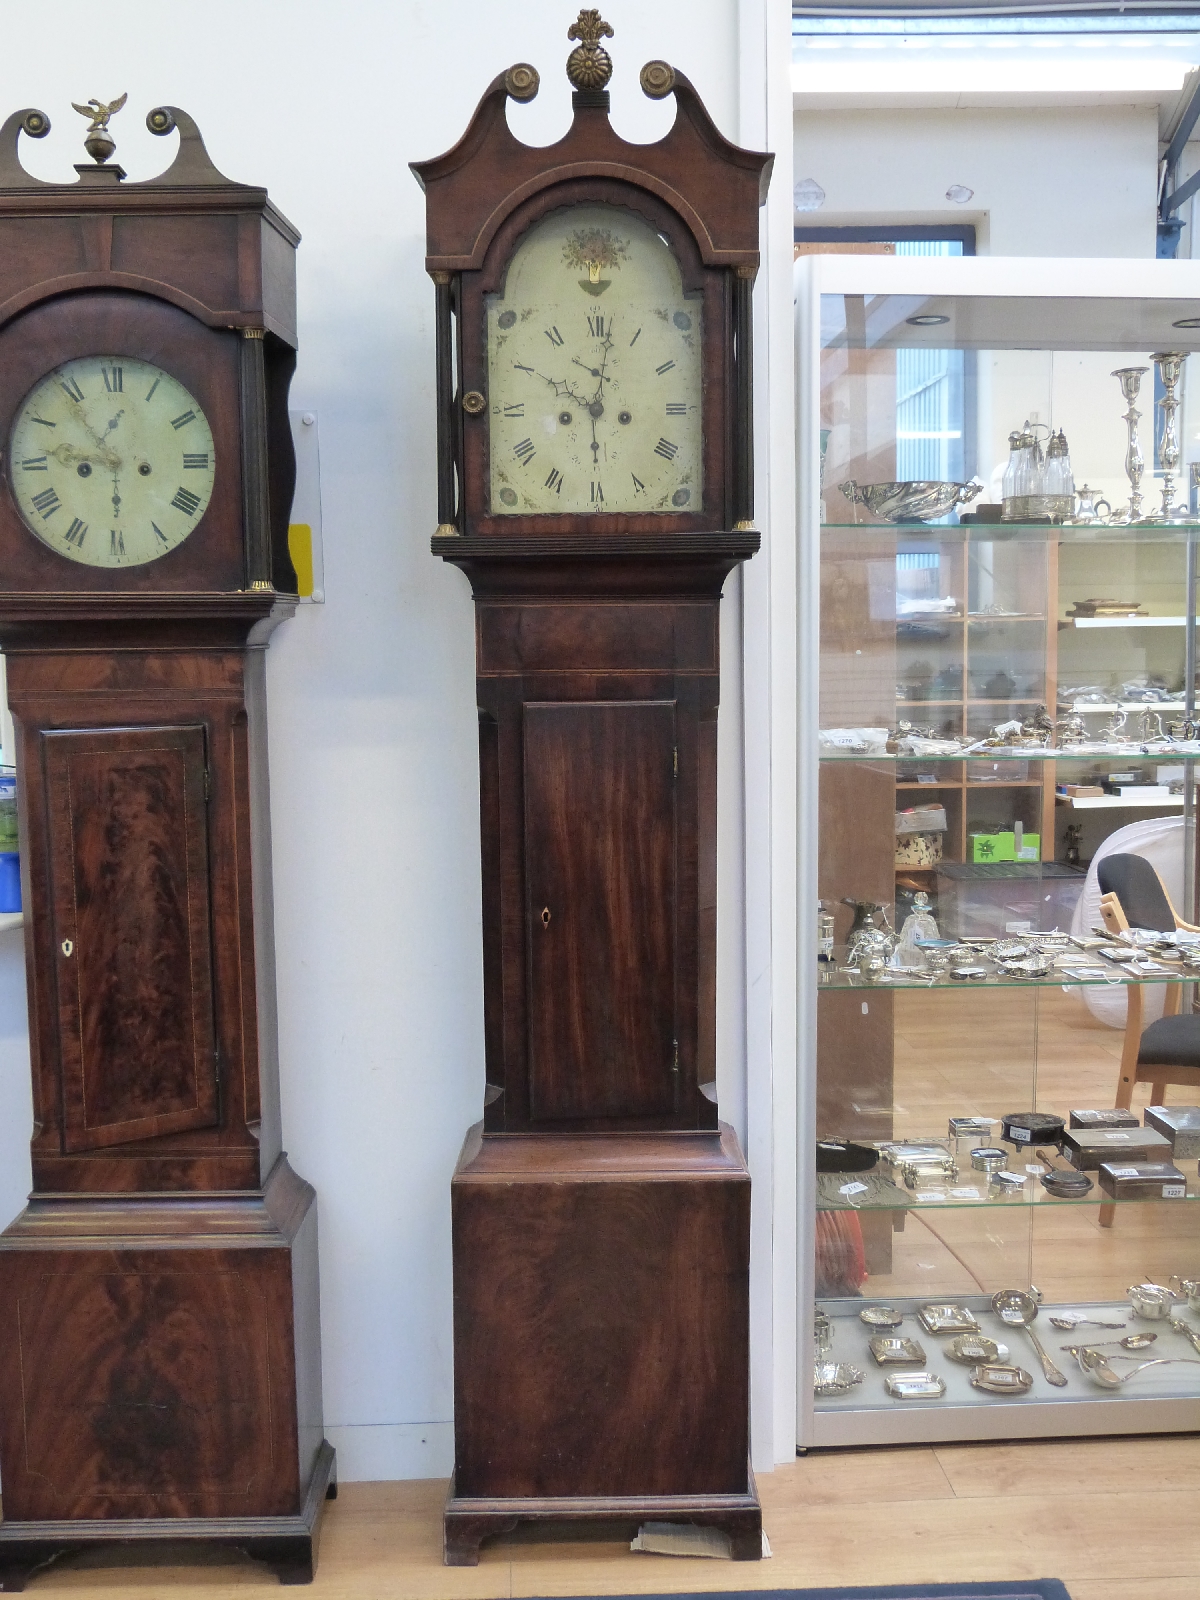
{"points": [[159, 534], [638, 486], [555, 480], [666, 367], [74, 534], [35, 464], [43, 422], [73, 391], [47, 503], [516, 410], [116, 544], [553, 335], [151, 389], [597, 494], [521, 368], [114, 379], [185, 500], [666, 449], [635, 338], [524, 451], [195, 461], [182, 421], [676, 408], [596, 327]]}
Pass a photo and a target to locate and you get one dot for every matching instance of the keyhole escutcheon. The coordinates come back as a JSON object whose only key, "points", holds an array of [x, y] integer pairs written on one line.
{"points": [[67, 947], [545, 916]]}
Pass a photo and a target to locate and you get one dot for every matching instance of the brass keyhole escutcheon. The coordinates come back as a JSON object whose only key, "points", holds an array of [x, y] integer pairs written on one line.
{"points": [[67, 947], [545, 916]]}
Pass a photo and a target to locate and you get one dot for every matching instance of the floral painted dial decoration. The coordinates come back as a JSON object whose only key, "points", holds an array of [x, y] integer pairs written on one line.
{"points": [[594, 372], [111, 461]]}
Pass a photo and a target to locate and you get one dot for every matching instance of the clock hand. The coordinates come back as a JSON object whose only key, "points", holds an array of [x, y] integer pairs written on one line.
{"points": [[68, 454]]}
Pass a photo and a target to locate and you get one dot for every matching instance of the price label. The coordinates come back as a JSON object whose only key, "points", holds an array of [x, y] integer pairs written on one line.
{"points": [[931, 1194], [1034, 1169], [965, 1194], [853, 1188], [1124, 1172], [1174, 1191]]}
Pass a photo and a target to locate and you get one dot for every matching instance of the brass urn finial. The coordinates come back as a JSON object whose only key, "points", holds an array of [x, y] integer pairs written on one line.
{"points": [[99, 143], [589, 66]]}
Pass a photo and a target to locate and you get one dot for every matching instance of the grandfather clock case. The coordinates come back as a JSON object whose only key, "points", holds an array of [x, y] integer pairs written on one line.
{"points": [[594, 456], [159, 1320]]}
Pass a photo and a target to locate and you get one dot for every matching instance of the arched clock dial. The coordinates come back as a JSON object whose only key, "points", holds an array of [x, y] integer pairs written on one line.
{"points": [[111, 461], [594, 370]]}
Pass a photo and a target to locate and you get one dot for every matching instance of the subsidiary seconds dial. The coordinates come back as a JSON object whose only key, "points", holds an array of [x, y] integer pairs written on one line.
{"points": [[594, 372], [111, 461]]}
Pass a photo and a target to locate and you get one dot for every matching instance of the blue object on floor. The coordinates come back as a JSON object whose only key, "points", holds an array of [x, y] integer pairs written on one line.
{"points": [[10, 881], [1027, 1589]]}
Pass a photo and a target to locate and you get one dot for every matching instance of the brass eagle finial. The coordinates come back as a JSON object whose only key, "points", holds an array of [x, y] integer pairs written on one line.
{"points": [[589, 66], [99, 143]]}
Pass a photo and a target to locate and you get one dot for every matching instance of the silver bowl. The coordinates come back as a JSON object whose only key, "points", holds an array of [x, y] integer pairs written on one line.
{"points": [[909, 502]]}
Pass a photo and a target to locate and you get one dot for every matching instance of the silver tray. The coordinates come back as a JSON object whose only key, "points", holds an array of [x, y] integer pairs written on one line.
{"points": [[919, 501], [999, 1377], [973, 1348], [837, 1377], [896, 1352], [915, 1386], [881, 1316], [946, 1317]]}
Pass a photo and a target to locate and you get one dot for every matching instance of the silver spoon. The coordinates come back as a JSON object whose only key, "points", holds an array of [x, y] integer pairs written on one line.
{"points": [[1132, 1341], [1019, 1310], [1078, 1322]]}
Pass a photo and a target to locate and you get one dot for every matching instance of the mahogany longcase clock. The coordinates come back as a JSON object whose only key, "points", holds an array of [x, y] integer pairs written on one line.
{"points": [[159, 1336], [594, 383]]}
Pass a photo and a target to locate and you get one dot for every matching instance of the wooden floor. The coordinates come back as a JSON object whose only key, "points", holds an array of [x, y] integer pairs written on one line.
{"points": [[1114, 1519]]}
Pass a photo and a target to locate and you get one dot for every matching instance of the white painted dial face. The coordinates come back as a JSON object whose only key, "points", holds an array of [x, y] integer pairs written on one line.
{"points": [[111, 461], [594, 372]]}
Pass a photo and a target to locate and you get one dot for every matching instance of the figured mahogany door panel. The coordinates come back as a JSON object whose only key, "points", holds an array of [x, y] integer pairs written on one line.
{"points": [[600, 872], [128, 855]]}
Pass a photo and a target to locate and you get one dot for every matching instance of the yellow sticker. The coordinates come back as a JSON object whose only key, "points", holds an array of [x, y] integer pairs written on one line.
{"points": [[300, 548]]}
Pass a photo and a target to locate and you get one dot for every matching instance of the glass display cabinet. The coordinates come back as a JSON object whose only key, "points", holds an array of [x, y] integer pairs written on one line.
{"points": [[998, 544]]}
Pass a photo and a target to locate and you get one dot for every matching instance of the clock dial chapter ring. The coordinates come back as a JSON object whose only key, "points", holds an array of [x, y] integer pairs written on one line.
{"points": [[111, 461]]}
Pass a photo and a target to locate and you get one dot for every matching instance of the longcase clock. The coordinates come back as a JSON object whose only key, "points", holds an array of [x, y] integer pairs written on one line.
{"points": [[594, 483], [159, 1328]]}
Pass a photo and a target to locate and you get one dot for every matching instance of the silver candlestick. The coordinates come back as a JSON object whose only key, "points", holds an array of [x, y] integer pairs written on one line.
{"points": [[1170, 370], [1130, 379]]}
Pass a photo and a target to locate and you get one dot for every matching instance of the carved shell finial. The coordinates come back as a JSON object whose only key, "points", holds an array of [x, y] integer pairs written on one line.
{"points": [[589, 66]]}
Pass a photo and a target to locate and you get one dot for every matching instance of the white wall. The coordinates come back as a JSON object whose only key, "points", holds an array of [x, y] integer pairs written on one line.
{"points": [[1048, 181], [373, 728]]}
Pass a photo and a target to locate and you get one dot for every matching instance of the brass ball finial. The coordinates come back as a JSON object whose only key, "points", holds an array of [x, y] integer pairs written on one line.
{"points": [[589, 66], [99, 143]]}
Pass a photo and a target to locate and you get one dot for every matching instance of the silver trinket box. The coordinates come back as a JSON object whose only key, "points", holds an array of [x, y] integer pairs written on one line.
{"points": [[1142, 1180], [1087, 1148], [1179, 1124]]}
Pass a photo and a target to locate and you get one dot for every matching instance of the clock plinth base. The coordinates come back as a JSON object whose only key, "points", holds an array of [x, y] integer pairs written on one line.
{"points": [[287, 1545], [467, 1523], [601, 1333]]}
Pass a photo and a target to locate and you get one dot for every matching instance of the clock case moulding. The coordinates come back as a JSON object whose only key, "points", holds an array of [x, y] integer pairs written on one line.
{"points": [[600, 1209], [159, 1305]]}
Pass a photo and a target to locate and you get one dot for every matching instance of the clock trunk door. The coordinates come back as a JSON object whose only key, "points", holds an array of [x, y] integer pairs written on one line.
{"points": [[600, 826], [128, 854]]}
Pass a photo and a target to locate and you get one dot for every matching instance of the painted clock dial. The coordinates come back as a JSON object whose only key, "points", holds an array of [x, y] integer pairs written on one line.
{"points": [[111, 461], [594, 372]]}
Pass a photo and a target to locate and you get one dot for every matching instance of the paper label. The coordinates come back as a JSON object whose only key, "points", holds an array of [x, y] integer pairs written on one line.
{"points": [[853, 1188], [1174, 1191], [964, 1194], [1124, 1136], [1020, 1135], [931, 1194], [1035, 1169], [1123, 1172]]}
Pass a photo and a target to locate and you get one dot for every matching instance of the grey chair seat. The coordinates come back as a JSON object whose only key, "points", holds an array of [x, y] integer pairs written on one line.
{"points": [[1171, 1042]]}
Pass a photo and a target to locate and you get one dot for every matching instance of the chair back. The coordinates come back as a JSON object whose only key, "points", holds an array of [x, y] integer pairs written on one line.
{"points": [[1139, 889]]}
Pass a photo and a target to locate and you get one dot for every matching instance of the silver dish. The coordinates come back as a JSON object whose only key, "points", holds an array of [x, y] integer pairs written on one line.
{"points": [[1151, 1301], [915, 1386], [972, 1348], [896, 1352], [837, 1377], [999, 1377], [909, 502], [881, 1316], [947, 1318]]}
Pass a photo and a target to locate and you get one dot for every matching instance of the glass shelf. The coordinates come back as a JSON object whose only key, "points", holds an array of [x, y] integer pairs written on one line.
{"points": [[899, 979], [1106, 753], [886, 1194], [1027, 532]]}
